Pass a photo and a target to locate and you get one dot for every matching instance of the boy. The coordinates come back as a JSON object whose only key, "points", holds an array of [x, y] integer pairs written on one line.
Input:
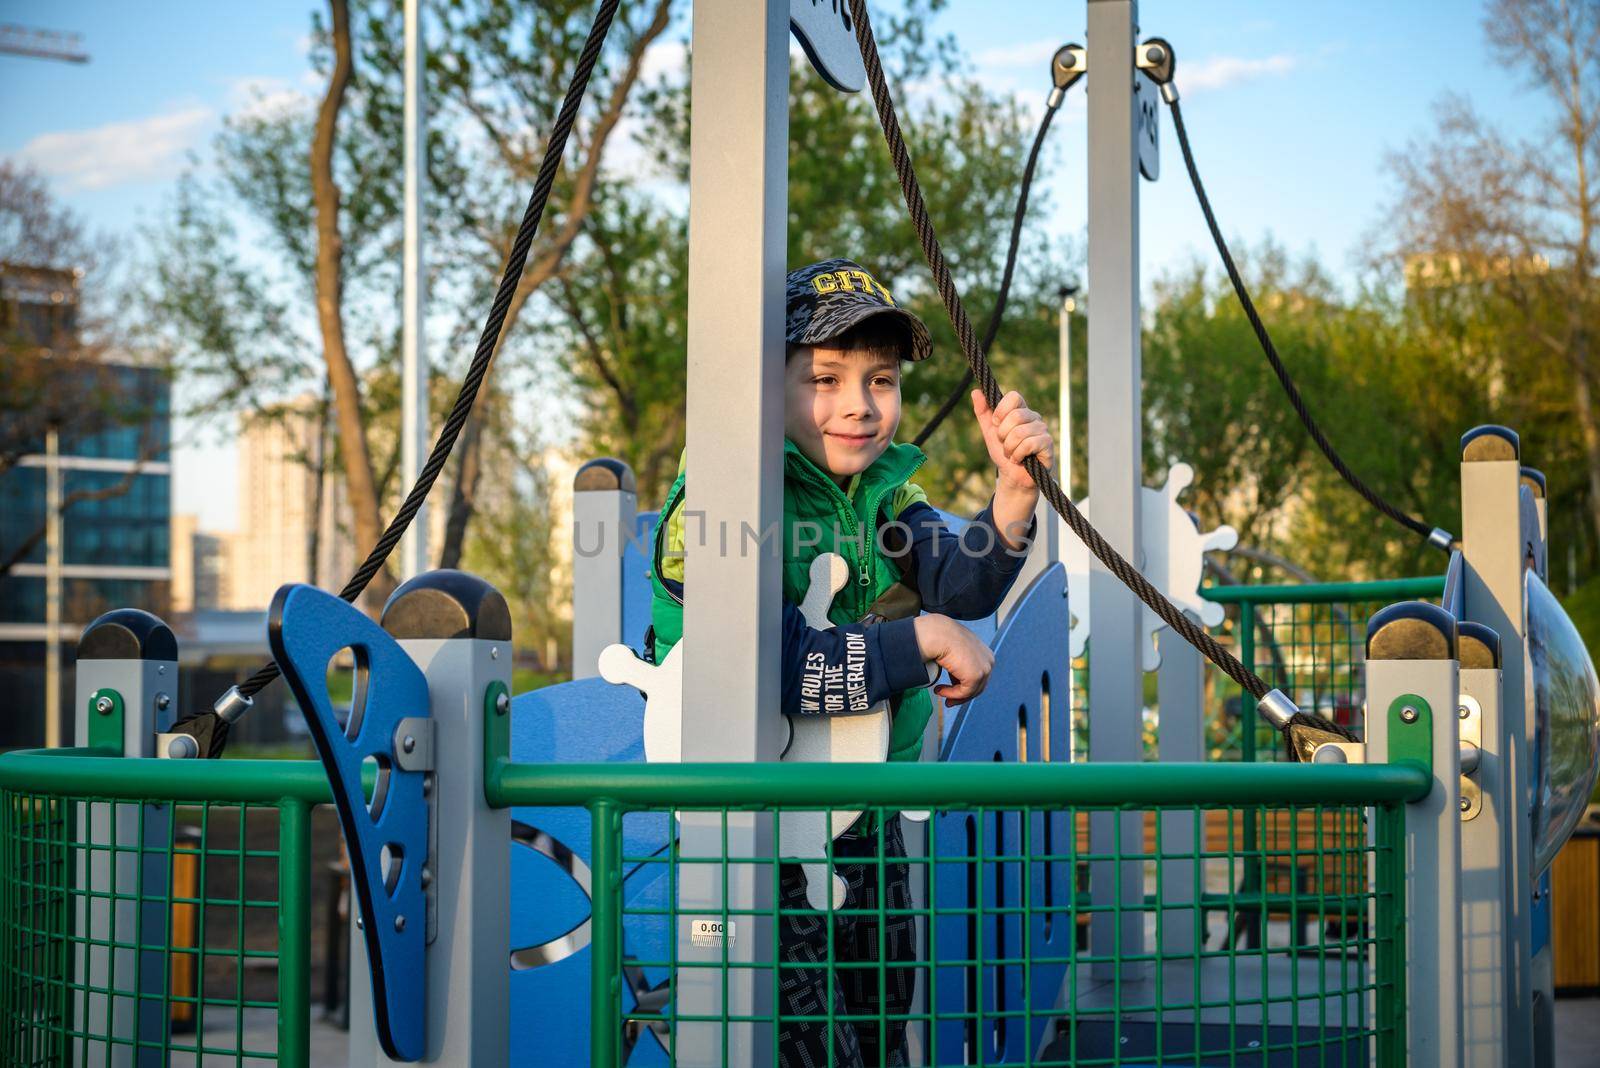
{"points": [[847, 490]]}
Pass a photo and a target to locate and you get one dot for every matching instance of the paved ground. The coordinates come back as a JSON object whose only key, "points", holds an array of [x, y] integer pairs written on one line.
{"points": [[1577, 1037], [1578, 1033]]}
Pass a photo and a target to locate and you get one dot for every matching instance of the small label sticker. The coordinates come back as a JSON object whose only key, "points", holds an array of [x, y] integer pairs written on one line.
{"points": [[709, 933]]}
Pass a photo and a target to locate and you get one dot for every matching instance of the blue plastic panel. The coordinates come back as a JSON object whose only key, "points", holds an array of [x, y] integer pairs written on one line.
{"points": [[636, 581], [1013, 720], [587, 720], [306, 627]]}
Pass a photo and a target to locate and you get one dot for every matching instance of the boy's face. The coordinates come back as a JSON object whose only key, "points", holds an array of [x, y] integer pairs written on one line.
{"points": [[841, 407]]}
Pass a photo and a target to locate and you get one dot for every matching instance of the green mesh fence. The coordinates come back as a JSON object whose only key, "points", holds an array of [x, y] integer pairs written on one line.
{"points": [[154, 929], [1307, 640], [1056, 915]]}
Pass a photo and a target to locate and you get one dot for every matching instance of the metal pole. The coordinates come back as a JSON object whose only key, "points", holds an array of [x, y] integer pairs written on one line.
{"points": [[52, 590], [1115, 455], [738, 171], [1492, 553], [1064, 394], [413, 344]]}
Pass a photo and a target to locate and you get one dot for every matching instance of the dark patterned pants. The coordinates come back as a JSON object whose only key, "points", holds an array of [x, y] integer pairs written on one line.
{"points": [[803, 941]]}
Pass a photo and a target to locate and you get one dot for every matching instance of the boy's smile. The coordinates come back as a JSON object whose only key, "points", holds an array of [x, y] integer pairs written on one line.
{"points": [[841, 407]]}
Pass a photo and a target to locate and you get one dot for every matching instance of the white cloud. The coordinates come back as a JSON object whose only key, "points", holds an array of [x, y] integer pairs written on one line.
{"points": [[264, 97], [663, 57], [118, 152], [1218, 72]]}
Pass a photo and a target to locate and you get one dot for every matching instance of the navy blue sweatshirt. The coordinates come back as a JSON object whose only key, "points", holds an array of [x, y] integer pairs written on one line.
{"points": [[851, 668]]}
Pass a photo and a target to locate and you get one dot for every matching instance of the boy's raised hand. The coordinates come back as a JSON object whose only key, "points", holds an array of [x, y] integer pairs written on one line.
{"points": [[1012, 432]]}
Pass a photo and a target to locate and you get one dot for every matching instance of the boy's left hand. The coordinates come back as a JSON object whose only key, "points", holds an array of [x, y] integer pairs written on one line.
{"points": [[1012, 432]]}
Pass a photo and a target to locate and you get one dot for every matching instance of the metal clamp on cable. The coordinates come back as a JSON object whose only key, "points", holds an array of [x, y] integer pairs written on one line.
{"points": [[232, 705], [1066, 67], [1440, 538], [1276, 708]]}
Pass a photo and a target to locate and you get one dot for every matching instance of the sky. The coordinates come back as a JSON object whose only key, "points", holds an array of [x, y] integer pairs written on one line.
{"points": [[1291, 109]]}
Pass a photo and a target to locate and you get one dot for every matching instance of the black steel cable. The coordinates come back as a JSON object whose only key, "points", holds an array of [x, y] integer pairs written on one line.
{"points": [[490, 338], [1370, 495], [1125, 572], [992, 329]]}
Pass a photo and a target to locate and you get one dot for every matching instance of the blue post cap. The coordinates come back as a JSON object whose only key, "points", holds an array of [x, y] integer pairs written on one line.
{"points": [[1534, 479], [1411, 630], [128, 634], [447, 604], [1479, 645], [1490, 442], [604, 473]]}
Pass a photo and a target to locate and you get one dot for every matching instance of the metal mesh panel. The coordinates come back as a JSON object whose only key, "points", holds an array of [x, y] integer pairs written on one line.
{"points": [[149, 929], [1022, 938], [1308, 641]]}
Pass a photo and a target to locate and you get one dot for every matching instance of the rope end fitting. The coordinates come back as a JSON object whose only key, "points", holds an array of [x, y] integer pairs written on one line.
{"points": [[1066, 67], [1155, 58], [1440, 538]]}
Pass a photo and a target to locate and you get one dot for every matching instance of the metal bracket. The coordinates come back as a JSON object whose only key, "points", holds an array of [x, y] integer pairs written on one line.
{"points": [[1411, 731], [413, 744], [1470, 715], [176, 745], [414, 751], [106, 718], [1340, 753]]}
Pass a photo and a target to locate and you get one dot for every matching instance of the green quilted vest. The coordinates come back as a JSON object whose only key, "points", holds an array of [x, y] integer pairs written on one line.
{"points": [[818, 517]]}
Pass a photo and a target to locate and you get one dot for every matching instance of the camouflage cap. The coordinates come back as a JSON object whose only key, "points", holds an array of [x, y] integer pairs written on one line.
{"points": [[826, 299]]}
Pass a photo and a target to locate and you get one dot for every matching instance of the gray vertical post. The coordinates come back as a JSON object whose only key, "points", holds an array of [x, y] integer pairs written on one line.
{"points": [[414, 299], [1181, 733], [52, 589], [1411, 655], [605, 504], [1115, 455], [738, 172], [1485, 911], [458, 629], [1492, 556], [127, 689]]}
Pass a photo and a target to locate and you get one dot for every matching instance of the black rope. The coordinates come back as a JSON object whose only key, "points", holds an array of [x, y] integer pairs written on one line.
{"points": [[992, 329], [490, 338], [1125, 572], [1369, 494]]}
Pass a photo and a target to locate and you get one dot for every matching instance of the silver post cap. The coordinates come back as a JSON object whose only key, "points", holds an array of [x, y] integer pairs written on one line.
{"points": [[1276, 708], [231, 705]]}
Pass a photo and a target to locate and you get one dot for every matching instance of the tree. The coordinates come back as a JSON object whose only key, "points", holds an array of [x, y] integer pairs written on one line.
{"points": [[315, 193], [619, 333], [1497, 235]]}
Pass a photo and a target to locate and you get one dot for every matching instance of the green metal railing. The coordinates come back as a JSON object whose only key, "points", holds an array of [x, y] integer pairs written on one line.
{"points": [[1329, 994], [122, 937], [1208, 1000]]}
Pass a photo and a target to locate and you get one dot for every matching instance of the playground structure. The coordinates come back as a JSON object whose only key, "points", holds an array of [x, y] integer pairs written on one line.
{"points": [[531, 892]]}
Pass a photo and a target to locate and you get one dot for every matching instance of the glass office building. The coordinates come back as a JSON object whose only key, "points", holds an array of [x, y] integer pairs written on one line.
{"points": [[93, 438]]}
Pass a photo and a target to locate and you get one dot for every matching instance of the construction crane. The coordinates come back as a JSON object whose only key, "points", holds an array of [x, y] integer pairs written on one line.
{"points": [[42, 44]]}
